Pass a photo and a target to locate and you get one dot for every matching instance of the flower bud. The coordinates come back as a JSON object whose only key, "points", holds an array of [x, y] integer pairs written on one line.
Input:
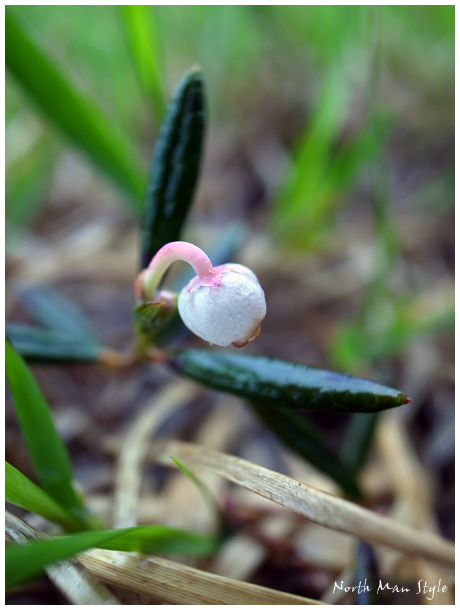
{"points": [[227, 311]]}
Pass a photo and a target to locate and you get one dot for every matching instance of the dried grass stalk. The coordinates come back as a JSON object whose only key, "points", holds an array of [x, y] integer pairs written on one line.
{"points": [[73, 580], [190, 509], [174, 583], [136, 445], [318, 506]]}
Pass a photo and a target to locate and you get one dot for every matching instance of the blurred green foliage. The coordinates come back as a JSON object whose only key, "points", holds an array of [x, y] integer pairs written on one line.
{"points": [[76, 115], [320, 56], [347, 78]]}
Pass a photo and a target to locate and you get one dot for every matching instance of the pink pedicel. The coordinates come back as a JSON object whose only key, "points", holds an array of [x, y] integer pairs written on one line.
{"points": [[178, 251], [183, 250]]}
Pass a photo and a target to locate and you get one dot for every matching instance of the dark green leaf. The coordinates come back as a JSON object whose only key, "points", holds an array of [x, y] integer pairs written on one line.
{"points": [[285, 385], [80, 119], [358, 440], [48, 454], [57, 313], [23, 562], [303, 437], [175, 167], [41, 345], [20, 491]]}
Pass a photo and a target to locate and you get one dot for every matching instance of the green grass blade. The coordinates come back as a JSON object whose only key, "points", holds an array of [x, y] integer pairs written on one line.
{"points": [[20, 491], [202, 488], [285, 385], [42, 345], [140, 28], [47, 452], [300, 193], [175, 167], [24, 562], [160, 539], [303, 437], [80, 119]]}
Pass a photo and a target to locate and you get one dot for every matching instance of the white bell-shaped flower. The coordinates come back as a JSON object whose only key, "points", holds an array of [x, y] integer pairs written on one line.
{"points": [[224, 312]]}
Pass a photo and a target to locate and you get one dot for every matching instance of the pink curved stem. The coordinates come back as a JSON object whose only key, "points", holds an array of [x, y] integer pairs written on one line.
{"points": [[168, 254]]}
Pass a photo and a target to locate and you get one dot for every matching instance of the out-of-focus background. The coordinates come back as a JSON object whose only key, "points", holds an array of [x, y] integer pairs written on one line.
{"points": [[329, 149]]}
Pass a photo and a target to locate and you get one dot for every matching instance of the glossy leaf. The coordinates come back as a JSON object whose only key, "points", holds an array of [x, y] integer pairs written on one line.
{"points": [[175, 167], [20, 491], [42, 345], [140, 28], [306, 439], [47, 452], [78, 117], [23, 562], [283, 384]]}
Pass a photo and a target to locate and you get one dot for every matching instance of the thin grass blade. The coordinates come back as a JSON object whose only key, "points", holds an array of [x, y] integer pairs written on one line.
{"points": [[139, 23], [71, 578], [159, 539], [202, 488], [24, 562], [20, 491], [78, 117], [47, 452]]}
